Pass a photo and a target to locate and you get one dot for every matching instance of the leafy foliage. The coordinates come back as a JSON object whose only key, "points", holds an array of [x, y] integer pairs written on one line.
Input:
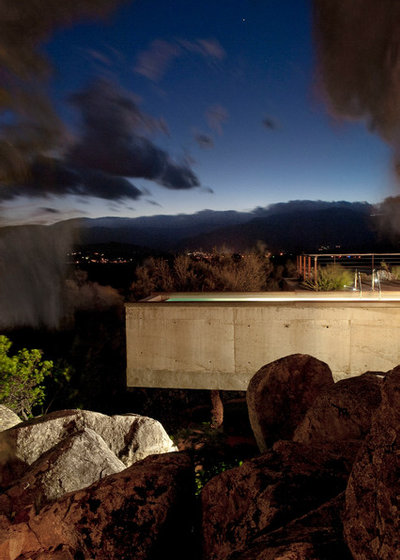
{"points": [[22, 376], [395, 271], [203, 475], [210, 452], [330, 278]]}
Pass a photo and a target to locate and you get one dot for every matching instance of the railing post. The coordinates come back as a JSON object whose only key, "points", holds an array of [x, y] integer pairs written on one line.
{"points": [[315, 269]]}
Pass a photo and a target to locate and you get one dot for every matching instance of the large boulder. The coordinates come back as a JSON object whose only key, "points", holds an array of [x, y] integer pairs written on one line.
{"points": [[269, 491], [280, 393], [61, 553], [342, 411], [77, 461], [372, 518], [318, 535], [8, 418], [140, 514], [130, 437]]}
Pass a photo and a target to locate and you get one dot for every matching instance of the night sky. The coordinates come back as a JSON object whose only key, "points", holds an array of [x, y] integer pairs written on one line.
{"points": [[165, 107]]}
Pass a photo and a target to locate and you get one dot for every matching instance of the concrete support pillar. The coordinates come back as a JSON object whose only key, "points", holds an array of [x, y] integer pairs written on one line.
{"points": [[217, 410]]}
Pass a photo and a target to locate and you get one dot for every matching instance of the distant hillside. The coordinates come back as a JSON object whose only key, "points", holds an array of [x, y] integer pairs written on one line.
{"points": [[296, 226], [157, 232]]}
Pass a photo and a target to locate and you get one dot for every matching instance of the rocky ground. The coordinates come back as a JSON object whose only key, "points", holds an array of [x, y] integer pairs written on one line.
{"points": [[303, 469]]}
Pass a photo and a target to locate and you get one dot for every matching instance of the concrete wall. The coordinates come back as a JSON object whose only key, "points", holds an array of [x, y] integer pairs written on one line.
{"points": [[222, 345]]}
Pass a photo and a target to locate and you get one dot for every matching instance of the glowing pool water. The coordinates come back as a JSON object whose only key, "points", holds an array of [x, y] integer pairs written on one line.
{"points": [[276, 297]]}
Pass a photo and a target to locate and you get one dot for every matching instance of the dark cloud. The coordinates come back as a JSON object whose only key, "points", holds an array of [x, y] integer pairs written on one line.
{"points": [[103, 106], [204, 140], [216, 116], [113, 140], [49, 176], [206, 47], [269, 123], [42, 215], [99, 57], [32, 261], [358, 49], [24, 25], [43, 176], [112, 148], [154, 203], [163, 126], [155, 62], [178, 177], [49, 210], [109, 187], [145, 191]]}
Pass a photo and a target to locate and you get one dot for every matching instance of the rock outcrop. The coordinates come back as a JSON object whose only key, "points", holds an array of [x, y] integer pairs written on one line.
{"points": [[43, 459], [76, 462], [141, 513], [318, 535], [270, 491], [130, 437], [78, 485], [280, 393], [372, 517], [8, 418], [343, 411]]}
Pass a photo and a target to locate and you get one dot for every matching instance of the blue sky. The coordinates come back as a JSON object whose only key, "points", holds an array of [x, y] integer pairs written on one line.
{"points": [[228, 90]]}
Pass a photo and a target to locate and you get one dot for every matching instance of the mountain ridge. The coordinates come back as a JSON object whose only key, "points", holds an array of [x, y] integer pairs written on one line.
{"points": [[295, 226]]}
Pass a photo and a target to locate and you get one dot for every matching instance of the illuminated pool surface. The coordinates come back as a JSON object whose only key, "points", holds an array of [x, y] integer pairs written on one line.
{"points": [[276, 297]]}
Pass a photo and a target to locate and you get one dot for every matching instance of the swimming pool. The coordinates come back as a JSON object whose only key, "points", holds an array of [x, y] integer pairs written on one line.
{"points": [[273, 297], [219, 341]]}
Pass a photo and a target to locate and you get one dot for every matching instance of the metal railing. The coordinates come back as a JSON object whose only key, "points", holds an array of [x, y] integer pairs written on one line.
{"points": [[363, 263]]}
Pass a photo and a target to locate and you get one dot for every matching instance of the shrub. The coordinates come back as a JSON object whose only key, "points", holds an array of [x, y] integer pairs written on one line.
{"points": [[330, 278], [21, 378], [395, 271], [210, 453], [218, 272]]}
